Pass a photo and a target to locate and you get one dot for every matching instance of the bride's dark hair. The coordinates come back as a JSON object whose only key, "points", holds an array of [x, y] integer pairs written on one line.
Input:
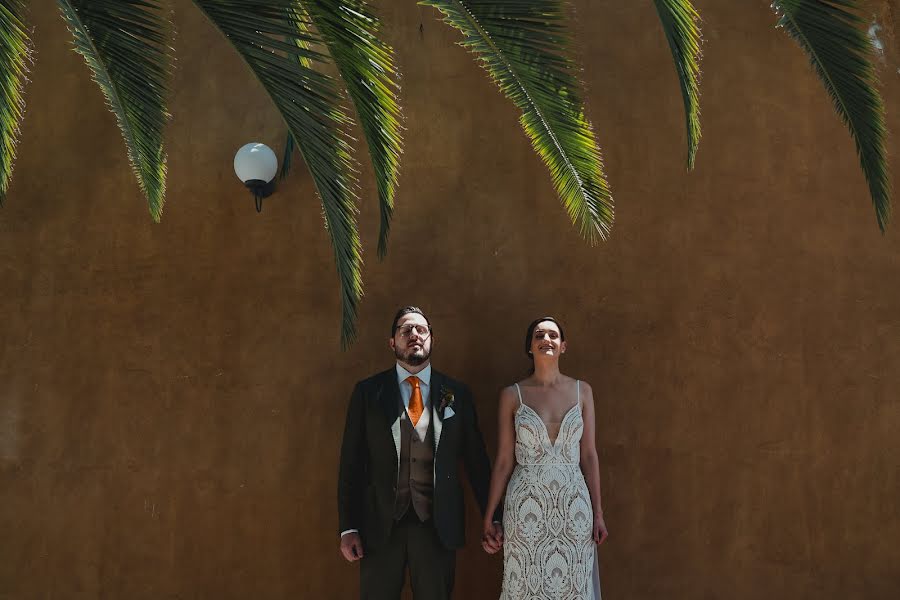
{"points": [[530, 333]]}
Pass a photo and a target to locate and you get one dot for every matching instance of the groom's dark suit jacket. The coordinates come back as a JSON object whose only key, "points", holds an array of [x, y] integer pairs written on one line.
{"points": [[367, 483]]}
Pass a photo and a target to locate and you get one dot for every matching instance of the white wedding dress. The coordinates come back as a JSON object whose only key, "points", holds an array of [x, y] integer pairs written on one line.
{"points": [[548, 550]]}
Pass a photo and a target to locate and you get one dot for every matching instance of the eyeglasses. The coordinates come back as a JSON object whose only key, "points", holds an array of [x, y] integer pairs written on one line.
{"points": [[406, 330]]}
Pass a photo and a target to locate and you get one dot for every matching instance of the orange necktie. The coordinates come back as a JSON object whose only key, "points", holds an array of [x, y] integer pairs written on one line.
{"points": [[416, 406]]}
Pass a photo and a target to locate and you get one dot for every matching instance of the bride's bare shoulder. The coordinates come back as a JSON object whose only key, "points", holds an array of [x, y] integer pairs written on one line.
{"points": [[508, 397], [510, 391], [586, 392]]}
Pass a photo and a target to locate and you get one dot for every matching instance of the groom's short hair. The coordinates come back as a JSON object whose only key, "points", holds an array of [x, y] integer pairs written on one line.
{"points": [[405, 311]]}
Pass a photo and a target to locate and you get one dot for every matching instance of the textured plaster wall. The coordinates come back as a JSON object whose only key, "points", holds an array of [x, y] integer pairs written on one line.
{"points": [[172, 396]]}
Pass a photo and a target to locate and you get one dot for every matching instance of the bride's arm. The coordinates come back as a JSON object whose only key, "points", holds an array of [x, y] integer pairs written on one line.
{"points": [[506, 459], [590, 463]]}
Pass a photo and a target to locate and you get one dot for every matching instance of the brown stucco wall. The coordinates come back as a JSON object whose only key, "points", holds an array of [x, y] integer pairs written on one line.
{"points": [[172, 396]]}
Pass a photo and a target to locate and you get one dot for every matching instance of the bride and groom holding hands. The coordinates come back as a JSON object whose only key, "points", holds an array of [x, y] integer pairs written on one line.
{"points": [[400, 501]]}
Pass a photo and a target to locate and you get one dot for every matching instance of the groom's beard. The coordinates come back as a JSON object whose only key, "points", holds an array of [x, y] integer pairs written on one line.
{"points": [[415, 357]]}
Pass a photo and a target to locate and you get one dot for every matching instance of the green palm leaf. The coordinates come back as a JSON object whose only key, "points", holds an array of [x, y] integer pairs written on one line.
{"points": [[124, 44], [307, 99], [15, 54], [524, 46], [841, 55], [303, 42], [681, 23], [350, 31]]}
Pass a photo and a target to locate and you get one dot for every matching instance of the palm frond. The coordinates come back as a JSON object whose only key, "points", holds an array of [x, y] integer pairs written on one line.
{"points": [[124, 42], [681, 23], [524, 45], [303, 42], [350, 30], [832, 34], [15, 55], [308, 102]]}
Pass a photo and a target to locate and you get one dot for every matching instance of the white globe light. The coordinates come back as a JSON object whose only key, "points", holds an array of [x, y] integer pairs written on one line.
{"points": [[255, 162]]}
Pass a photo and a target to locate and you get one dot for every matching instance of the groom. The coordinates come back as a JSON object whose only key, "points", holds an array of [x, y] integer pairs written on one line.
{"points": [[400, 502]]}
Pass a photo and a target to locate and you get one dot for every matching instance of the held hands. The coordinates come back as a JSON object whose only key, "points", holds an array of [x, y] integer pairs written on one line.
{"points": [[351, 547], [492, 537], [600, 532]]}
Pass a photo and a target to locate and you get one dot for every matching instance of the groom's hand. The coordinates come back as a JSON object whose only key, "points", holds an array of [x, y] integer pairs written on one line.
{"points": [[492, 537], [351, 546]]}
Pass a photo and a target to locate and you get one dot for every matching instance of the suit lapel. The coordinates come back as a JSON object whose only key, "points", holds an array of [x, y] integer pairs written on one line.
{"points": [[435, 399], [390, 402]]}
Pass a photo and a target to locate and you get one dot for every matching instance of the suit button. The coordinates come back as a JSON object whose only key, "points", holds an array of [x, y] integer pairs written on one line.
{"points": [[414, 460]]}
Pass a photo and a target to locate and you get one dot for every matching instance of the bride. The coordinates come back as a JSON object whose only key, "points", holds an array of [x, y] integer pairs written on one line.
{"points": [[548, 467]]}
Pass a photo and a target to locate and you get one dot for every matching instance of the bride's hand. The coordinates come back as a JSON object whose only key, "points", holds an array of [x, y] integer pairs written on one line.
{"points": [[600, 532], [492, 537]]}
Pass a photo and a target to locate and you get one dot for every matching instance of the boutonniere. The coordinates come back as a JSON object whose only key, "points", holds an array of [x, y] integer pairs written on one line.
{"points": [[447, 402]]}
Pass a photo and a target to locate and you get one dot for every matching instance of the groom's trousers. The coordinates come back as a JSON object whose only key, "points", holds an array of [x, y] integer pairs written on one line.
{"points": [[412, 544]]}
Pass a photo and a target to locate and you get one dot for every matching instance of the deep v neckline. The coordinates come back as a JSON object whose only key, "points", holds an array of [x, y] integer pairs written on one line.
{"points": [[561, 423]]}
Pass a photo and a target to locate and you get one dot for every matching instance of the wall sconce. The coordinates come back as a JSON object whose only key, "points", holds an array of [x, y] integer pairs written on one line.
{"points": [[256, 165]]}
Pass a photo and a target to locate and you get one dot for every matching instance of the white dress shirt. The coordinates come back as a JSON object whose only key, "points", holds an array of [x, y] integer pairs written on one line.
{"points": [[406, 393]]}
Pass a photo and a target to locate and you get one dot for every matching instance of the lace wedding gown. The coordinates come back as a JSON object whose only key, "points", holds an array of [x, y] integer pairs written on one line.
{"points": [[548, 551]]}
